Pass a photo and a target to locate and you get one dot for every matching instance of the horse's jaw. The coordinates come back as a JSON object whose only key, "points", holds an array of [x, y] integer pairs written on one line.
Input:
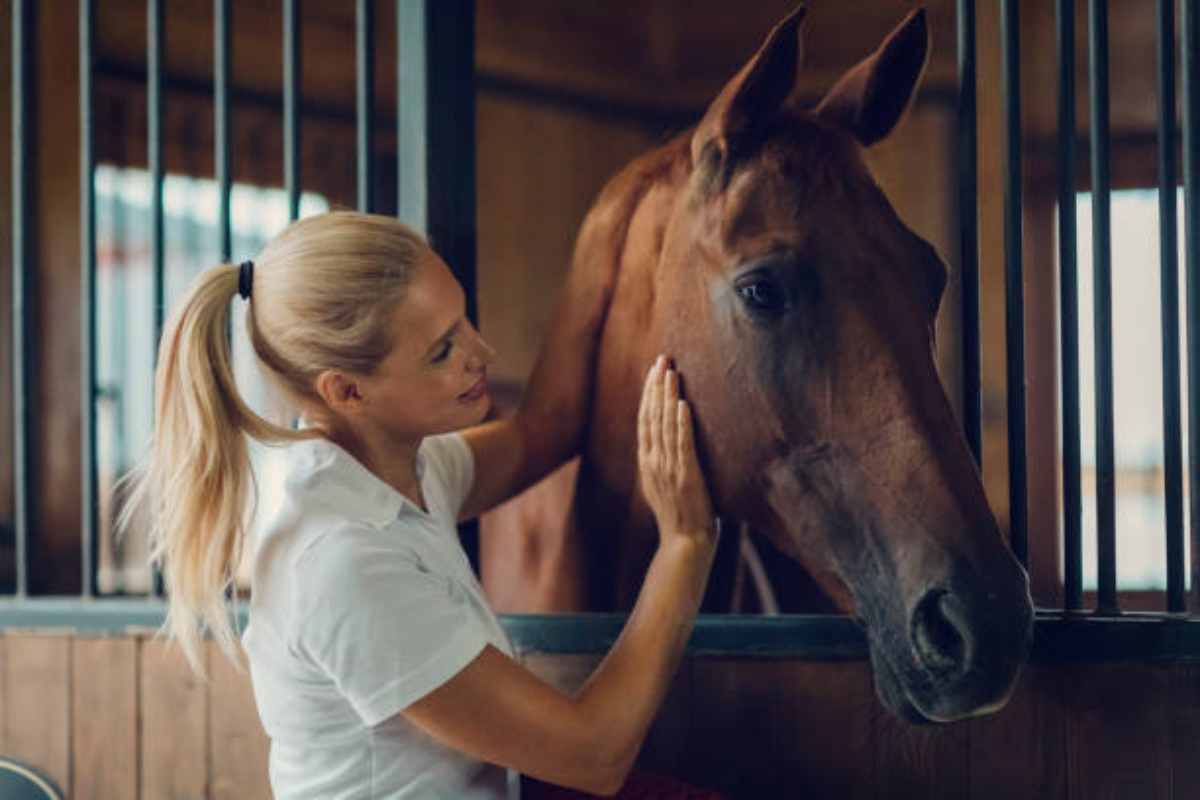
{"points": [[946, 642]]}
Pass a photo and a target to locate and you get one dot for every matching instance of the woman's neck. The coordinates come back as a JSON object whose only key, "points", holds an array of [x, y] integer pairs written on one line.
{"points": [[393, 462]]}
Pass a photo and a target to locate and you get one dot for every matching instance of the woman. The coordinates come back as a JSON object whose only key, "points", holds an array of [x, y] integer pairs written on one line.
{"points": [[378, 668]]}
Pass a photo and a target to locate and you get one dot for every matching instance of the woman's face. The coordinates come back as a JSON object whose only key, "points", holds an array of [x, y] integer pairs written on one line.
{"points": [[435, 378]]}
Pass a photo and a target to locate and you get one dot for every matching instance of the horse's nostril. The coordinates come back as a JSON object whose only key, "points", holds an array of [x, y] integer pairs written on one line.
{"points": [[939, 634]]}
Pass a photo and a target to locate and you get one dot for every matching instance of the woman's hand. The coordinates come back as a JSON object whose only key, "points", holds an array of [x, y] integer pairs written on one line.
{"points": [[669, 472]]}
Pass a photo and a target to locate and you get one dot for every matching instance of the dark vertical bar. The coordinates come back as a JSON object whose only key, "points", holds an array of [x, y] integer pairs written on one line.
{"points": [[155, 36], [1069, 312], [1018, 495], [87, 258], [365, 90], [222, 67], [23, 293], [968, 226], [291, 106], [1190, 19], [436, 137], [1106, 531], [1168, 243], [154, 117]]}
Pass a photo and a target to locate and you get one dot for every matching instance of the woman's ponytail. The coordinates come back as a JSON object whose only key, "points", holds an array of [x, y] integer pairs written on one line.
{"points": [[195, 480]]}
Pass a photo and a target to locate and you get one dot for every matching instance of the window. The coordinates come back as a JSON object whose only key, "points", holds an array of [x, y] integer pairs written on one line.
{"points": [[125, 349], [1137, 389]]}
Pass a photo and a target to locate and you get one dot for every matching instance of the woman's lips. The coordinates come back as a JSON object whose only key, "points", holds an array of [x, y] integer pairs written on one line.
{"points": [[475, 392]]}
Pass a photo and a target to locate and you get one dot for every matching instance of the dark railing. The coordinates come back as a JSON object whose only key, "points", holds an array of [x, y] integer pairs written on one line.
{"points": [[436, 137], [1069, 311]]}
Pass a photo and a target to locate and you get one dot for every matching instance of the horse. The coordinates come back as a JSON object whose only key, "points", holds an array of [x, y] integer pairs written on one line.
{"points": [[757, 249]]}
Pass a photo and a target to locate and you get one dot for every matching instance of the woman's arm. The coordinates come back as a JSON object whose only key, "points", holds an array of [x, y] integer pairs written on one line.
{"points": [[497, 711], [514, 453]]}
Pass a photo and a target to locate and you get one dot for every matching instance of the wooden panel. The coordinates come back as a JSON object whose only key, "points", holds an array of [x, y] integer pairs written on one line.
{"points": [[3, 704], [237, 741], [104, 730], [36, 712], [1184, 705], [916, 761], [822, 729], [665, 749], [174, 725], [539, 169], [733, 696], [1020, 751], [1117, 733]]}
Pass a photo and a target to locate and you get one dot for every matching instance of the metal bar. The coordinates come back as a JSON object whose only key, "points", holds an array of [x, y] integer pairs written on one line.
{"points": [[89, 513], [436, 137], [1190, 21], [1057, 639], [365, 93], [1018, 495], [25, 357], [968, 226], [222, 68], [1169, 260], [291, 106], [154, 116], [1069, 311], [1106, 532], [155, 37]]}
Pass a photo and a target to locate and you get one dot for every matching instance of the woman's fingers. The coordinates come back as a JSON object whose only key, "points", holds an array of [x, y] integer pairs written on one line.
{"points": [[670, 426], [654, 401], [686, 444], [644, 413]]}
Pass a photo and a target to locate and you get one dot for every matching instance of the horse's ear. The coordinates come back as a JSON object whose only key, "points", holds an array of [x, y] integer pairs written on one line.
{"points": [[870, 99], [752, 95]]}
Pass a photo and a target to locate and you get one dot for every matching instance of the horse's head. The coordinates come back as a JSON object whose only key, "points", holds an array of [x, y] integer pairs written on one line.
{"points": [[802, 312]]}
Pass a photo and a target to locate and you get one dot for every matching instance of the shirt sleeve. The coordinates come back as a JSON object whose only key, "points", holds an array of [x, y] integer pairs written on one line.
{"points": [[385, 629], [454, 461]]}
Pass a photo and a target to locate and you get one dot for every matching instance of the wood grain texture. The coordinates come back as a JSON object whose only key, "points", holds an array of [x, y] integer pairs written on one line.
{"points": [[665, 749], [104, 733], [37, 708], [174, 705], [1184, 715], [1118, 745], [237, 742], [1020, 751], [822, 728], [3, 695], [731, 742], [916, 761]]}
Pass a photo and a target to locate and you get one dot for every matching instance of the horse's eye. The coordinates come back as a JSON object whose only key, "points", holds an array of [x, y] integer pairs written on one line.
{"points": [[763, 296]]}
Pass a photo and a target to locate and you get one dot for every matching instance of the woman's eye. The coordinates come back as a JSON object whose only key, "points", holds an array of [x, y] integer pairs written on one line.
{"points": [[445, 351], [763, 296]]}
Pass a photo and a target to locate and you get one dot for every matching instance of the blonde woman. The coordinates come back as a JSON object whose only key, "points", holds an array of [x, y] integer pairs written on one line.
{"points": [[378, 668]]}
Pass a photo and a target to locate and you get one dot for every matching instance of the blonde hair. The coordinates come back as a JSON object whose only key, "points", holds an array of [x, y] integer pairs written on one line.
{"points": [[323, 295]]}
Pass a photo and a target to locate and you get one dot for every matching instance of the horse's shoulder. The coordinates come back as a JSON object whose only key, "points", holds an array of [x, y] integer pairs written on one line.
{"points": [[607, 222]]}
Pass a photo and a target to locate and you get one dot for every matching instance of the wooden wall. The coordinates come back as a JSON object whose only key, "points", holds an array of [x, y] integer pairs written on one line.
{"points": [[121, 717]]}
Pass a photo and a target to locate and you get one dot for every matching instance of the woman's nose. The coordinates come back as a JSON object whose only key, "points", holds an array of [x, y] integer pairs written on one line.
{"points": [[480, 352]]}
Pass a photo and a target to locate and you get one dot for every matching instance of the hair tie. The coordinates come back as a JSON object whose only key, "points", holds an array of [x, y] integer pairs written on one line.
{"points": [[245, 279]]}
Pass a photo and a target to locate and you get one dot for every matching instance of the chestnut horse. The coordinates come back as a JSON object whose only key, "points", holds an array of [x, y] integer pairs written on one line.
{"points": [[758, 251]]}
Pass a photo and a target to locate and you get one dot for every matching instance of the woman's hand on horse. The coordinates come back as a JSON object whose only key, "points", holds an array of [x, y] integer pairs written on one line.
{"points": [[669, 471]]}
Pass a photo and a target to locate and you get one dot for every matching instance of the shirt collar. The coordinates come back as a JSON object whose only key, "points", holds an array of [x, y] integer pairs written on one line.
{"points": [[344, 482]]}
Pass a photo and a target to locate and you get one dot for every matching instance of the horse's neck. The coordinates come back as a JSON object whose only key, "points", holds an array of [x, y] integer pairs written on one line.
{"points": [[622, 232]]}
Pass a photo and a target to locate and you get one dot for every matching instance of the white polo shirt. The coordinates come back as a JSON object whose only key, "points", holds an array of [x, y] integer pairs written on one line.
{"points": [[361, 604]]}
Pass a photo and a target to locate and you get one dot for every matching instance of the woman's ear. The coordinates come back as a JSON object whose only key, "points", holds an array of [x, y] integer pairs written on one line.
{"points": [[340, 392]]}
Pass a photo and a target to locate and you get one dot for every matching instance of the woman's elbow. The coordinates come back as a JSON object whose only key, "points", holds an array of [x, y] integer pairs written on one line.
{"points": [[612, 772]]}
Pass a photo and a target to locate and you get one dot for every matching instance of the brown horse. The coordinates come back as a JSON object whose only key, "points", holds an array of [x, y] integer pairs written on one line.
{"points": [[758, 250]]}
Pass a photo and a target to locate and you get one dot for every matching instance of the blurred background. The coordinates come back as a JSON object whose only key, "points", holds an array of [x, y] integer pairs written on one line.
{"points": [[566, 93]]}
